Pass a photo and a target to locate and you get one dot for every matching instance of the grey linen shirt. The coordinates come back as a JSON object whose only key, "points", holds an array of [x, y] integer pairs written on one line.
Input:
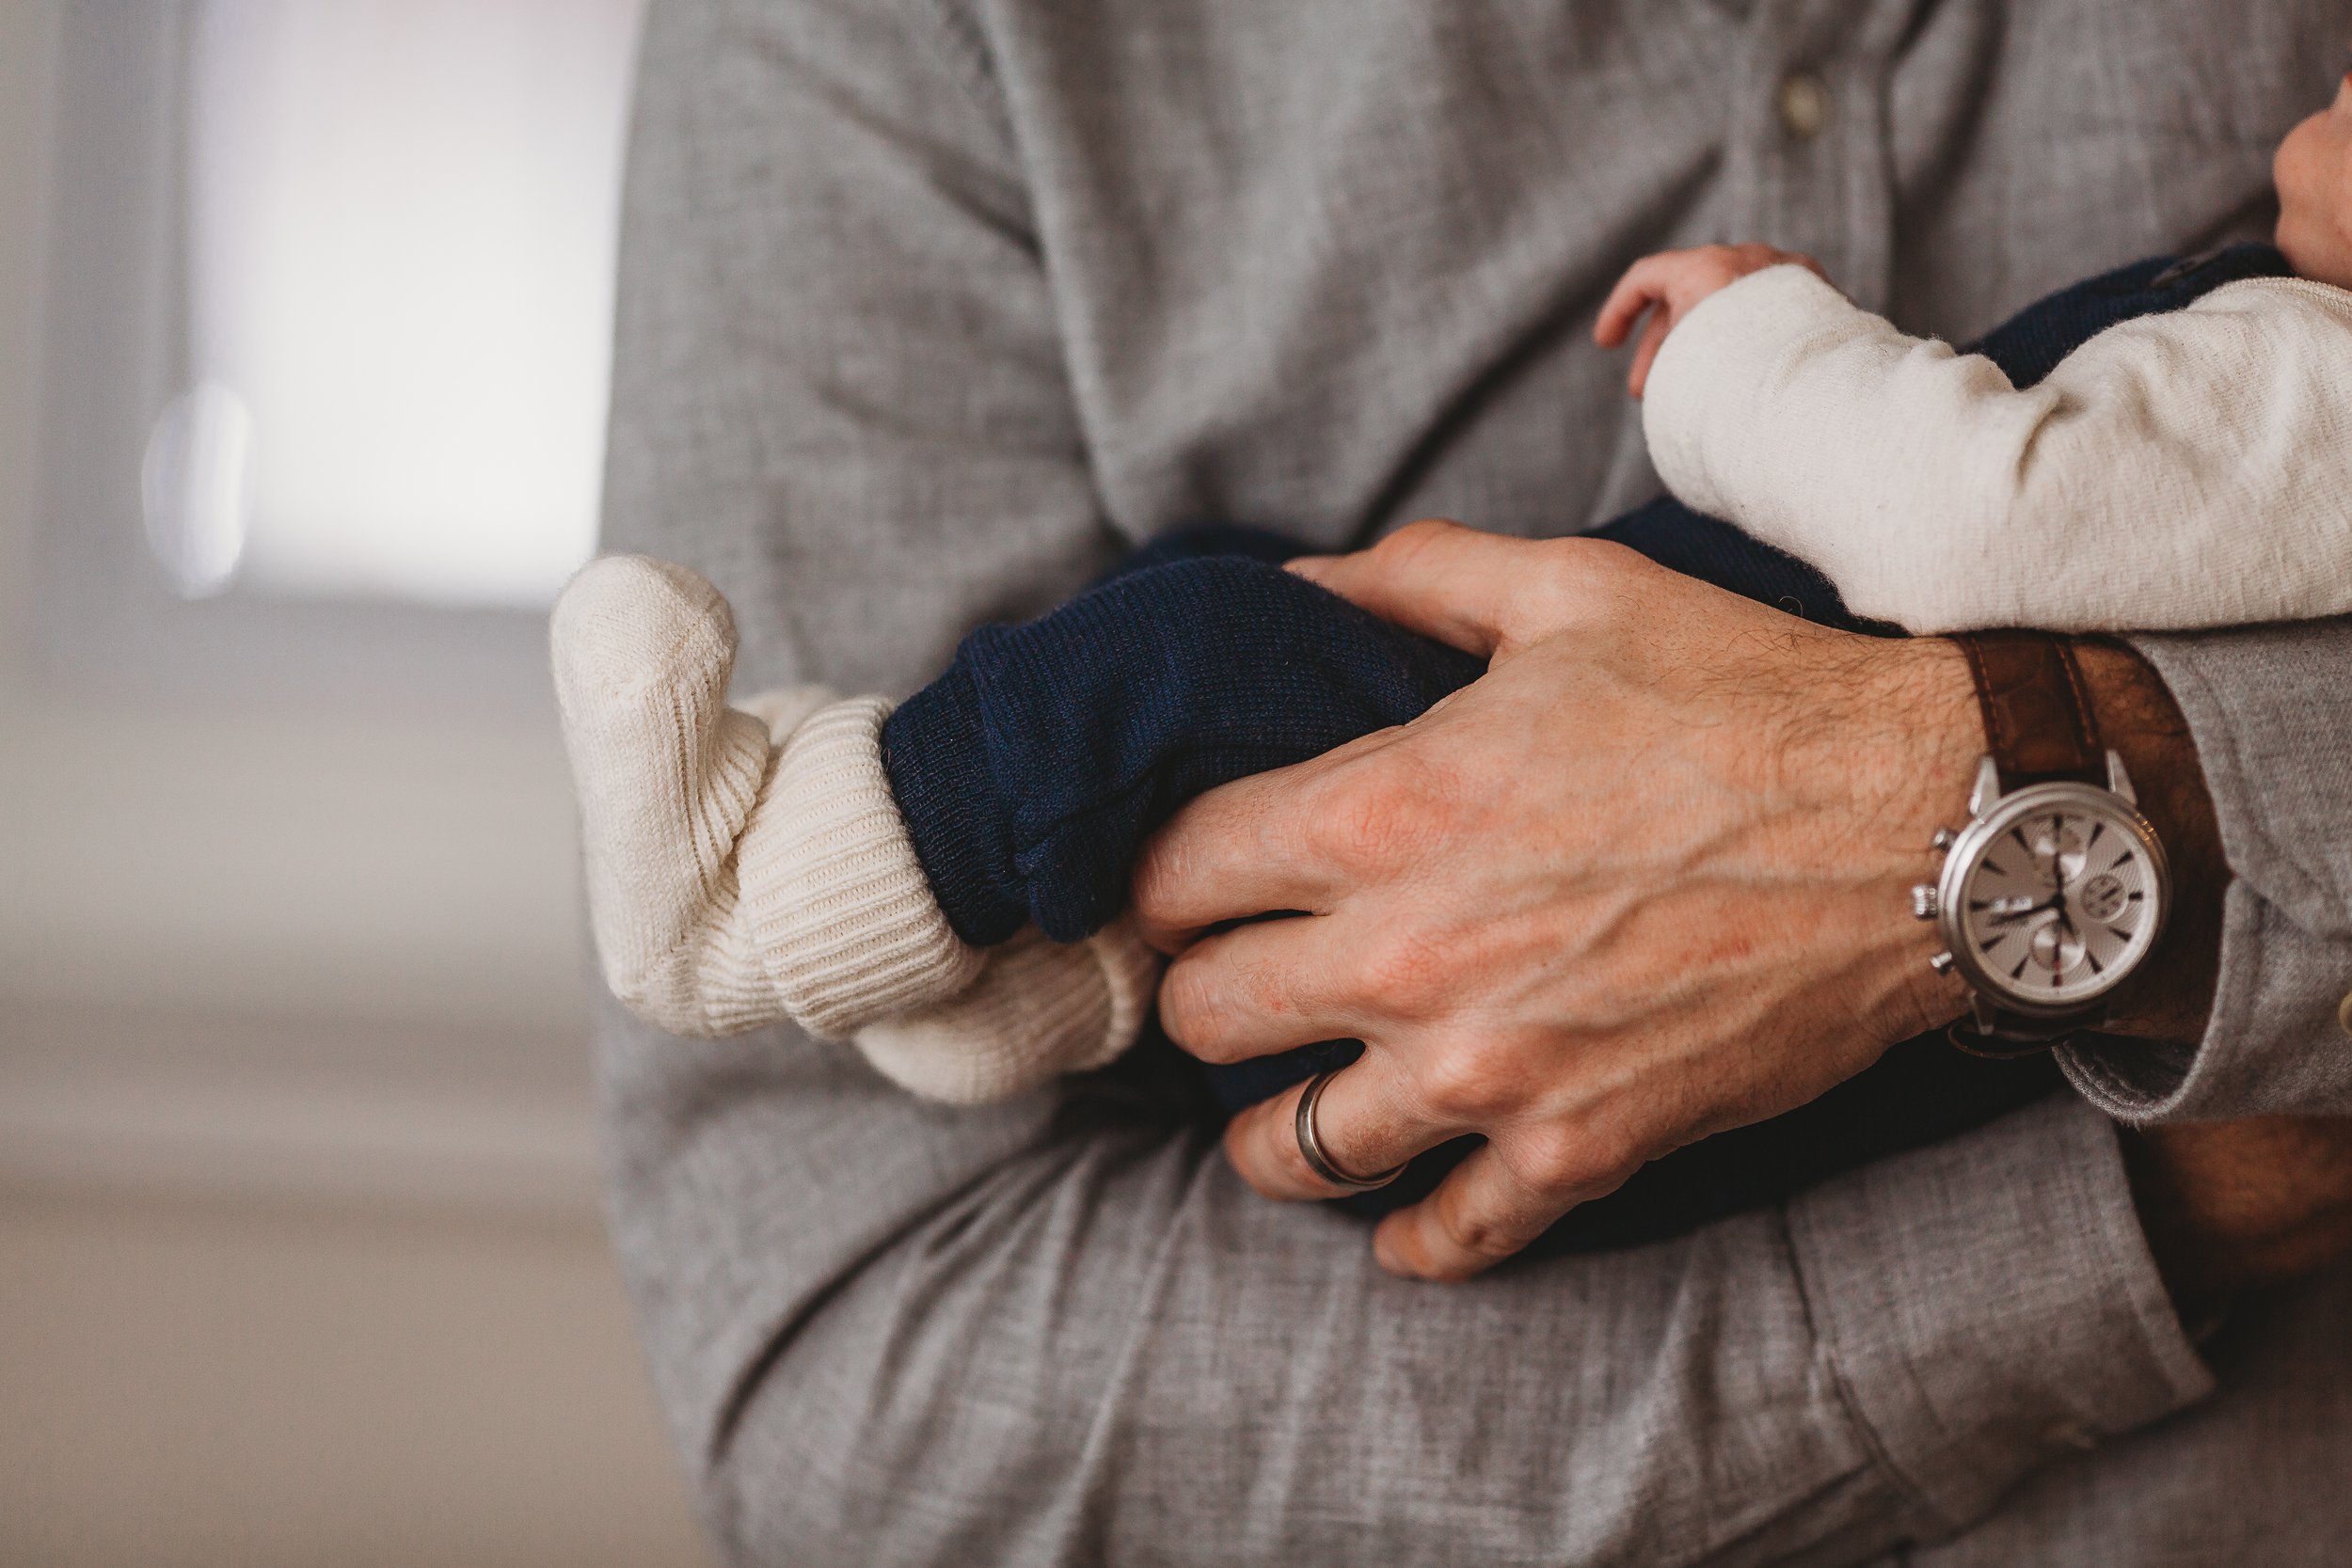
{"points": [[929, 307]]}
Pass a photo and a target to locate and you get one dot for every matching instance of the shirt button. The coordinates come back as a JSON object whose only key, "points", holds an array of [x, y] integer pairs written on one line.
{"points": [[1804, 104], [2344, 1015]]}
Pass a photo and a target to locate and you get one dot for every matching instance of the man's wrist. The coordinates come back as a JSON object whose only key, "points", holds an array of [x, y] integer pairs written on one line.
{"points": [[2172, 997], [1925, 733], [1909, 747]]}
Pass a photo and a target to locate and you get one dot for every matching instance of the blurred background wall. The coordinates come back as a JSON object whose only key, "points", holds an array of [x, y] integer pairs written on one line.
{"points": [[300, 1258]]}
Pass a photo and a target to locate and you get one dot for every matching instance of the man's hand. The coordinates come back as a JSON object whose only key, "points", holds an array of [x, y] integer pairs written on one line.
{"points": [[1642, 882], [2236, 1205], [1672, 283]]}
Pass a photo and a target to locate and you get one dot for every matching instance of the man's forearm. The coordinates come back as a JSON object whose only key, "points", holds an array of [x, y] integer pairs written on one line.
{"points": [[1019, 1336]]}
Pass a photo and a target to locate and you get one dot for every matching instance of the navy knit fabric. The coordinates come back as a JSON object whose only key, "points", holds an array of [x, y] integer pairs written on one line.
{"points": [[1032, 770]]}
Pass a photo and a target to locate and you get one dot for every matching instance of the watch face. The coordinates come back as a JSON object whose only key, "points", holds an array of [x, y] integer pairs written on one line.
{"points": [[2060, 896]]}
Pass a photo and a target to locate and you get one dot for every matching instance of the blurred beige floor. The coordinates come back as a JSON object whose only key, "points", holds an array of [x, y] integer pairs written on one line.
{"points": [[193, 1386]]}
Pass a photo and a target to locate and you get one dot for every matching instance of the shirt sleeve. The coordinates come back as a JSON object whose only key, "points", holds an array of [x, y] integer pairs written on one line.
{"points": [[2182, 470], [1058, 1329], [2270, 710]]}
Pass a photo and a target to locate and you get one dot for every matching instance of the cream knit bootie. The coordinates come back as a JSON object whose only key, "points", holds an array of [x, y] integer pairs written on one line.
{"points": [[745, 867], [1033, 1014]]}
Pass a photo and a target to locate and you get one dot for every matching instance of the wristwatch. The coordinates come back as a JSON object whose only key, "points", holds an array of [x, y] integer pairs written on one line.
{"points": [[2054, 894]]}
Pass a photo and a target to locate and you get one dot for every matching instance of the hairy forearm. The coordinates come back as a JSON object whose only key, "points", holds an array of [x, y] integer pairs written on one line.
{"points": [[1917, 702]]}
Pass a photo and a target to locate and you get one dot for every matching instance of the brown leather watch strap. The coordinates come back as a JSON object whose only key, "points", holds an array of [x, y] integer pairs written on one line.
{"points": [[2038, 722]]}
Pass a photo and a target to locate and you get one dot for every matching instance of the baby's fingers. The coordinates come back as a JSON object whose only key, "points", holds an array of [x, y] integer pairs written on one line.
{"points": [[1643, 286]]}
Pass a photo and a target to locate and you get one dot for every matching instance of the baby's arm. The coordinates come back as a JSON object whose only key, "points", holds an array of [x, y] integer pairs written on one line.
{"points": [[2192, 469]]}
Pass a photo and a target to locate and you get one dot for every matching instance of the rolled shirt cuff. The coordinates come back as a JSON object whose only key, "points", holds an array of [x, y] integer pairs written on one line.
{"points": [[2276, 1044], [2272, 719], [1987, 1304]]}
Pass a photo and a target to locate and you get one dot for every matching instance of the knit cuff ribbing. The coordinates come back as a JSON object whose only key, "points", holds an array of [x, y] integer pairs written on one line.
{"points": [[1039, 1009], [935, 754], [1131, 973], [838, 904]]}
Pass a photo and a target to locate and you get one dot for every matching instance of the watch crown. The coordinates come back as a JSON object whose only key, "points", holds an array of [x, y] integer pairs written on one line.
{"points": [[1942, 841], [1940, 963], [1923, 901]]}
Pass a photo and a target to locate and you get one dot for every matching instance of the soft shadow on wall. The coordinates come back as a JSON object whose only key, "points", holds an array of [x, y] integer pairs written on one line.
{"points": [[302, 356]]}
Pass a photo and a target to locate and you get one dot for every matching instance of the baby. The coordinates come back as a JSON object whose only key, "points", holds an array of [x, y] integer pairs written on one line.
{"points": [[2188, 468], [941, 883]]}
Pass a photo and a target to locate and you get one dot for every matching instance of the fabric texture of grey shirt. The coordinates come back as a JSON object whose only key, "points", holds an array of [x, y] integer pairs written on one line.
{"points": [[929, 307]]}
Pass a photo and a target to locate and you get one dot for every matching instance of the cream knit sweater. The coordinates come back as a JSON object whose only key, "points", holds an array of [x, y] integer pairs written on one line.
{"points": [[2187, 469]]}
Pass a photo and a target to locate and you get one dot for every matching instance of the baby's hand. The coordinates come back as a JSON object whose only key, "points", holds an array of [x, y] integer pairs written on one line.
{"points": [[1673, 281]]}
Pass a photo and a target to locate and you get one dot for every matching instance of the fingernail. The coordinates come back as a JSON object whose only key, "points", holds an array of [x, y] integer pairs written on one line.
{"points": [[1309, 567]]}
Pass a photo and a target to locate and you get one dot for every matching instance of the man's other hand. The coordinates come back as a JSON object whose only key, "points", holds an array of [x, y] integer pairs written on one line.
{"points": [[2238, 1204]]}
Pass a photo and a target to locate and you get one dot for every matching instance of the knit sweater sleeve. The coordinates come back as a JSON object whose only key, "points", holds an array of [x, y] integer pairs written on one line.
{"points": [[2182, 470]]}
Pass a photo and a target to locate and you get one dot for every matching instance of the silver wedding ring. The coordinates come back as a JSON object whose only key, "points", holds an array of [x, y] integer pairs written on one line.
{"points": [[1310, 1145]]}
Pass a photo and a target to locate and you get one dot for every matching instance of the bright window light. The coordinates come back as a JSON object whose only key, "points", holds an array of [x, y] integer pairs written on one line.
{"points": [[400, 229]]}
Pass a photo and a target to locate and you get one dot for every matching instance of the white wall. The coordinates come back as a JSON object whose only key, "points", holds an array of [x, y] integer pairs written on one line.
{"points": [[26, 32], [299, 1259], [364, 909]]}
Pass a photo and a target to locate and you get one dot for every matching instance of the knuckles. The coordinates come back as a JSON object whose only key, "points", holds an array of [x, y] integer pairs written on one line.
{"points": [[1219, 1009], [1159, 875], [1376, 816], [1593, 584], [1476, 1242], [1414, 541], [1194, 1012], [1406, 975], [1365, 828], [1572, 1160], [1465, 1082]]}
